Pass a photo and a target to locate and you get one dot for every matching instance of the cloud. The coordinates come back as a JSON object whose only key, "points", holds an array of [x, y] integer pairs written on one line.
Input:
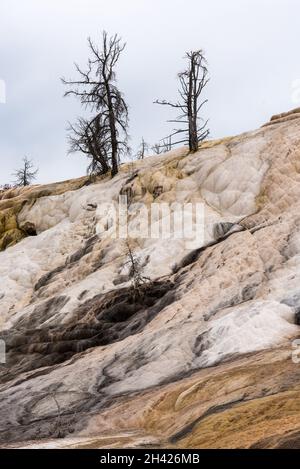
{"points": [[250, 47]]}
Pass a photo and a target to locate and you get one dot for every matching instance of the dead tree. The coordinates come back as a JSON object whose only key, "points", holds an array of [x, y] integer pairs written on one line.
{"points": [[97, 90], [138, 280], [5, 187], [91, 138], [25, 175], [192, 83], [163, 147], [58, 426], [143, 148], [156, 148], [167, 144]]}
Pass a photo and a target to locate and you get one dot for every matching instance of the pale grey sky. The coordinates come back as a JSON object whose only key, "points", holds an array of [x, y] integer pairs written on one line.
{"points": [[251, 47]]}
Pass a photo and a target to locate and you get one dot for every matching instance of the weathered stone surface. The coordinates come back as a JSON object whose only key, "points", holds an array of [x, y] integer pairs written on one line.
{"points": [[13, 200], [206, 357]]}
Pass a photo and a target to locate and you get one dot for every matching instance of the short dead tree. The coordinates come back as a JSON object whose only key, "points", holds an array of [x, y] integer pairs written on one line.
{"points": [[25, 175], [136, 268], [90, 137], [163, 147], [143, 148]]}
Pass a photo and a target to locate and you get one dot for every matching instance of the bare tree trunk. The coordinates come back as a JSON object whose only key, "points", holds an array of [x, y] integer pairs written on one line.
{"points": [[26, 174], [113, 134], [98, 91], [194, 105], [192, 81]]}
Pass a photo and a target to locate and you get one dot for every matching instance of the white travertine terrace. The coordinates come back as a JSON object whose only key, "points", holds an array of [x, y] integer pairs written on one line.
{"points": [[240, 295]]}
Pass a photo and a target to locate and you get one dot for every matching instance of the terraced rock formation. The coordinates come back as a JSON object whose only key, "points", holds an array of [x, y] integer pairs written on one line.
{"points": [[206, 356]]}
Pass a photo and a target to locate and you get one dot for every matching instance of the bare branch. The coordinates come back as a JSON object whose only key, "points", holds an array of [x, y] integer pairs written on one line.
{"points": [[26, 174], [192, 81], [104, 137]]}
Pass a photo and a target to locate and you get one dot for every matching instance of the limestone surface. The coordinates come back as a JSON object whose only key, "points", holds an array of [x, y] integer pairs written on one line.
{"points": [[206, 356]]}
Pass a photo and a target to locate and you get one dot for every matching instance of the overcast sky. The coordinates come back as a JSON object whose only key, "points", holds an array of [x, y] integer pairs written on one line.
{"points": [[252, 47]]}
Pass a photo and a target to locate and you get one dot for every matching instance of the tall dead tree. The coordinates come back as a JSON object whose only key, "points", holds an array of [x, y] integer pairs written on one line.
{"points": [[97, 90], [192, 83], [25, 175]]}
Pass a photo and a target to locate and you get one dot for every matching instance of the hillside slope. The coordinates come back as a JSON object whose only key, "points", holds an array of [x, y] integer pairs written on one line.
{"points": [[203, 358]]}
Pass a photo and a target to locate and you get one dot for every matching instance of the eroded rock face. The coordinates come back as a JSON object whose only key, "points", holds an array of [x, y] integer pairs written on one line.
{"points": [[12, 201], [204, 357]]}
